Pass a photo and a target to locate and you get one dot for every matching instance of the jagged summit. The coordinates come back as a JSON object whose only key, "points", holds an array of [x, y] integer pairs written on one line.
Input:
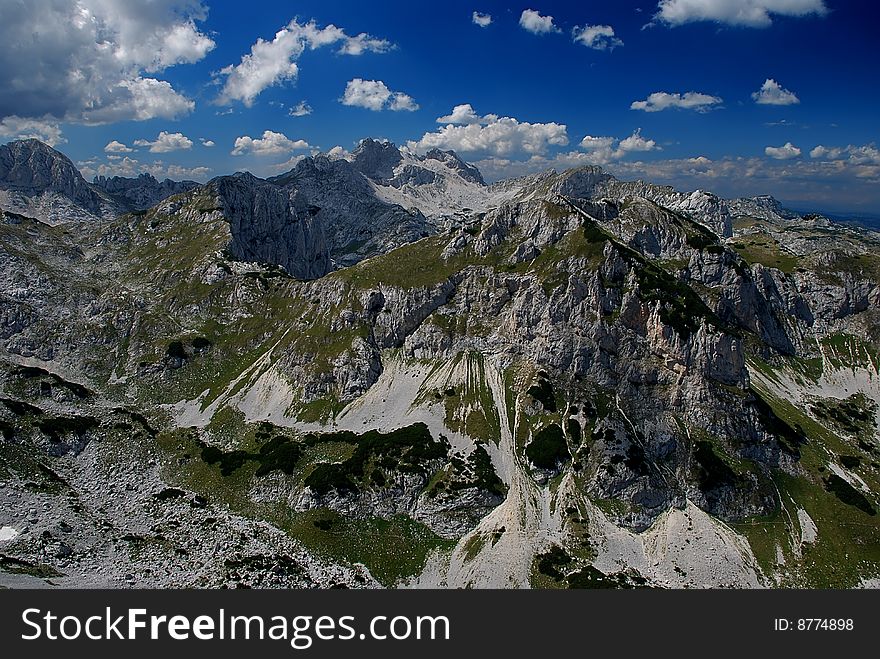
{"points": [[30, 168], [376, 160]]}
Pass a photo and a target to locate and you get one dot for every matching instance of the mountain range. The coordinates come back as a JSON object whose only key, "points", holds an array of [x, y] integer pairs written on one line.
{"points": [[378, 370]]}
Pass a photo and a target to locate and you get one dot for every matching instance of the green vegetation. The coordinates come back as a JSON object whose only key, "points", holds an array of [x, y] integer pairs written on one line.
{"points": [[590, 577], [714, 471], [392, 549], [846, 549], [764, 249], [542, 391], [552, 562], [477, 471], [408, 449], [18, 566], [848, 494], [548, 448], [854, 415]]}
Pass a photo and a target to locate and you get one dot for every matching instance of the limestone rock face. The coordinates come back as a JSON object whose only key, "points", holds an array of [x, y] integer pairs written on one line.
{"points": [[272, 224], [31, 167]]}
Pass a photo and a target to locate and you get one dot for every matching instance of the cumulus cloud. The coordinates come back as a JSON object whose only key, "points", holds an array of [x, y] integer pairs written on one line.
{"points": [[490, 134], [270, 144], [166, 142], [597, 37], [117, 147], [772, 93], [532, 21], [375, 95], [301, 109], [742, 13], [636, 142], [139, 100], [659, 101], [483, 20], [868, 154], [95, 61], [21, 128], [275, 62], [463, 114], [785, 152], [206, 142], [602, 151]]}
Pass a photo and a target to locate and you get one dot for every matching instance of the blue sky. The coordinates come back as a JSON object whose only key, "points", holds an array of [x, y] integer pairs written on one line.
{"points": [[124, 89]]}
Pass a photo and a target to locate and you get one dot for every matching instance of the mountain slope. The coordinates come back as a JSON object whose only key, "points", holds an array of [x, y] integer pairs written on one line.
{"points": [[565, 389]]}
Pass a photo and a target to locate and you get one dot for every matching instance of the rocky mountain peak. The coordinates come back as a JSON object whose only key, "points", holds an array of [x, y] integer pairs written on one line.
{"points": [[376, 160], [31, 167], [450, 158]]}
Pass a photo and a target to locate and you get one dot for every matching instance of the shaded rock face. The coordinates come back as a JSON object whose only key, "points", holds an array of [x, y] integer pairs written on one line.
{"points": [[272, 224], [356, 223], [376, 160], [30, 167], [142, 192]]}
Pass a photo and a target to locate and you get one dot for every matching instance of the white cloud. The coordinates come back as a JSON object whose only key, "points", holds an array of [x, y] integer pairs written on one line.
{"points": [[131, 167], [462, 114], [772, 93], [206, 142], [483, 20], [274, 62], [688, 101], [401, 101], [602, 151], [868, 154], [597, 37], [785, 152], [20, 128], [338, 153], [364, 43], [301, 109], [636, 142], [139, 100], [490, 134], [166, 142], [590, 142], [117, 147], [533, 22], [270, 144], [375, 95], [161, 170], [744, 13], [84, 61]]}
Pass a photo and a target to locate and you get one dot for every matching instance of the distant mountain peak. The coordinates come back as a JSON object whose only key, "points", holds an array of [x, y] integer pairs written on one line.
{"points": [[376, 160], [31, 167], [452, 160]]}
